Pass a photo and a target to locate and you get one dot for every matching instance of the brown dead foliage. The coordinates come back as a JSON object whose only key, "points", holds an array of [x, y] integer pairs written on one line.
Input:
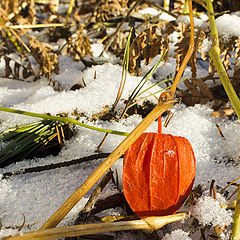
{"points": [[236, 75], [98, 16], [178, 6], [150, 43], [197, 91], [79, 45], [45, 57], [107, 9], [19, 70], [227, 48]]}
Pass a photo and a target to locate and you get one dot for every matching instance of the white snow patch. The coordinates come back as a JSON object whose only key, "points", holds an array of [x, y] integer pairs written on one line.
{"points": [[177, 235], [150, 11], [6, 232], [208, 211], [228, 25], [154, 12]]}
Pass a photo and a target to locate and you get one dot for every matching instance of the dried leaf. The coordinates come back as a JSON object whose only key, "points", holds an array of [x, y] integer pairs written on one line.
{"points": [[45, 57], [79, 45], [182, 44], [107, 9], [150, 43], [178, 6], [118, 44], [197, 92], [236, 75], [17, 69], [221, 113], [226, 49]]}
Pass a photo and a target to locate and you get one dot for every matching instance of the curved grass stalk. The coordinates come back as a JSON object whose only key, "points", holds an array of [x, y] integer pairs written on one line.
{"points": [[236, 219], [124, 69], [215, 55], [158, 84], [143, 98], [146, 78], [140, 85], [62, 119], [152, 94], [147, 89]]}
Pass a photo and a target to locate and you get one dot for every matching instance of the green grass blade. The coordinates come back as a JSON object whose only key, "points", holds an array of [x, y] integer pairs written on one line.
{"points": [[62, 119]]}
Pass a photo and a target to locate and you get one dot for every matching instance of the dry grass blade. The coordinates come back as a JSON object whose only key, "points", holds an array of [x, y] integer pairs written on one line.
{"points": [[188, 54], [109, 41], [150, 223], [43, 25], [54, 220], [124, 69], [85, 212], [136, 92], [123, 79], [163, 105]]}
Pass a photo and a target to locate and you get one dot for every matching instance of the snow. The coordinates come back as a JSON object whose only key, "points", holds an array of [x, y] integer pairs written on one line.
{"points": [[176, 235], [154, 12], [46, 191], [6, 232], [208, 211], [45, 99], [38, 195], [225, 25]]}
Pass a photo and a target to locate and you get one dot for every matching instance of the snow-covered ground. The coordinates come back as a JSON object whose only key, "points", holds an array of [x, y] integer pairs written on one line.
{"points": [[37, 196]]}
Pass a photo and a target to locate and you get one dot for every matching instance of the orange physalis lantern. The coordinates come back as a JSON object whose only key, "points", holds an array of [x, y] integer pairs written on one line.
{"points": [[158, 173]]}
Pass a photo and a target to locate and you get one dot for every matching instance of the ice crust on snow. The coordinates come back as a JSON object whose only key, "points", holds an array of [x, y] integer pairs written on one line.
{"points": [[208, 211]]}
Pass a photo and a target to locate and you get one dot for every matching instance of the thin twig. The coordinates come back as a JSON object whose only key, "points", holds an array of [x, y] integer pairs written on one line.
{"points": [[110, 39], [55, 165], [84, 213], [56, 218]]}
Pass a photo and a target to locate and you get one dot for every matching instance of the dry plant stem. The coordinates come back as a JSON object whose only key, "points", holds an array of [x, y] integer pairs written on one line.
{"points": [[56, 218], [37, 25], [95, 194], [150, 223], [215, 55], [109, 41], [72, 2], [236, 219], [188, 55], [166, 4]]}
